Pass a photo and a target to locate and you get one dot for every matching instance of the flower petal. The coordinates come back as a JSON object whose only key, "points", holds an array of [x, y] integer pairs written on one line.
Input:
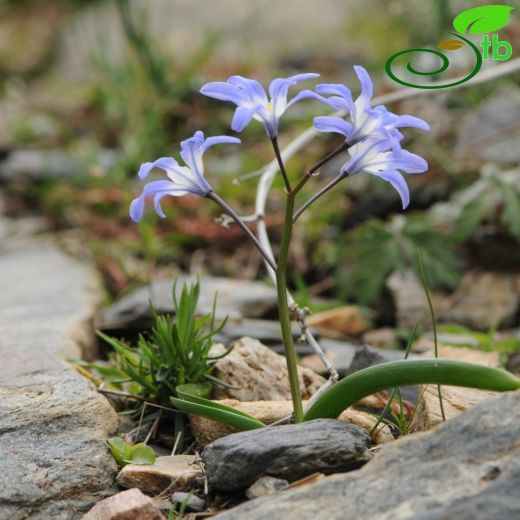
{"points": [[333, 124], [191, 153], [165, 163], [398, 182], [219, 139], [409, 162], [367, 89], [310, 94], [242, 117], [279, 87], [335, 89], [159, 196], [412, 122], [251, 89], [137, 209], [222, 91]]}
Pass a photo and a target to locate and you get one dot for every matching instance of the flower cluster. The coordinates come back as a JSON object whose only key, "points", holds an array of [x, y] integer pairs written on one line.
{"points": [[371, 134]]}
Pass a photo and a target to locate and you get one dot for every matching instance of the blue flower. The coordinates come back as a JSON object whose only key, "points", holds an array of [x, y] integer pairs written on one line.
{"points": [[384, 158], [366, 122], [182, 180], [252, 101]]}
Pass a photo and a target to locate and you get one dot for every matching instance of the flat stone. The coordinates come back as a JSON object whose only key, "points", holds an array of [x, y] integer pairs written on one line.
{"points": [[266, 331], [483, 300], [53, 422], [381, 338], [265, 486], [206, 431], [455, 399], [468, 468], [339, 323], [409, 299], [235, 299], [339, 353], [127, 505], [181, 472], [290, 452], [258, 373]]}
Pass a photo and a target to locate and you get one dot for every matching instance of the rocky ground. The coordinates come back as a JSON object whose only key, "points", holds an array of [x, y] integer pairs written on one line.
{"points": [[53, 423]]}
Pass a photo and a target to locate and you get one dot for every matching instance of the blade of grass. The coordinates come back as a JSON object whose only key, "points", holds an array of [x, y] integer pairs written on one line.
{"points": [[433, 318], [394, 391]]}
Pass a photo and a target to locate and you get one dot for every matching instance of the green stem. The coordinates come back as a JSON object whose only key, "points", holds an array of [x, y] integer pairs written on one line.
{"points": [[283, 309]]}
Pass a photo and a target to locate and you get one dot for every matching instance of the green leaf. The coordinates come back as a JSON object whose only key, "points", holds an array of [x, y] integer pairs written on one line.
{"points": [[118, 448], [125, 453], [217, 412], [194, 389], [409, 372], [140, 454], [480, 20]]}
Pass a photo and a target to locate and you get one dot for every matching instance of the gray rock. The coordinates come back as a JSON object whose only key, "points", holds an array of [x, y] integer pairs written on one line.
{"points": [[265, 486], [53, 423], [266, 331], [289, 452], [469, 468], [409, 299], [193, 502], [491, 132], [258, 374], [37, 164], [367, 356], [483, 300], [235, 298]]}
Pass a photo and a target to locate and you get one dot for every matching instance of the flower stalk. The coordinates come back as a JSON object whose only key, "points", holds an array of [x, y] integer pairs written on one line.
{"points": [[283, 310]]}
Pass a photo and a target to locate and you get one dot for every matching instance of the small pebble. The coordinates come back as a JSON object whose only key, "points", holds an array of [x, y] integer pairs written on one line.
{"points": [[194, 503]]}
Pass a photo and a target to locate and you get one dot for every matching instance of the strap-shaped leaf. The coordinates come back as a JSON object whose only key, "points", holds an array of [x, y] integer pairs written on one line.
{"points": [[408, 372], [214, 404], [217, 412]]}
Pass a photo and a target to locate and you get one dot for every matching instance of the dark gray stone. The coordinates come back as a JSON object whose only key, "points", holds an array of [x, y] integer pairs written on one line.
{"points": [[236, 299], [289, 452], [469, 468], [367, 356], [53, 423], [266, 331]]}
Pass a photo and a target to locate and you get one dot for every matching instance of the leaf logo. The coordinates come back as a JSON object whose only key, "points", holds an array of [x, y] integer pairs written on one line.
{"points": [[481, 20], [450, 45]]}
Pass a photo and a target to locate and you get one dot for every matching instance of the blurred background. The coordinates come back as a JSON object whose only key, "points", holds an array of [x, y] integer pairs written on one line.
{"points": [[91, 89]]}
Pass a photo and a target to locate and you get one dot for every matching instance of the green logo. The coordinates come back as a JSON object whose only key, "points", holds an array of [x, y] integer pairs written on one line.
{"points": [[479, 20]]}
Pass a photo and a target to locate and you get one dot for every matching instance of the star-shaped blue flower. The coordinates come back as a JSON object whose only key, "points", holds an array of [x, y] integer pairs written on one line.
{"points": [[365, 121], [252, 101], [384, 158], [182, 180]]}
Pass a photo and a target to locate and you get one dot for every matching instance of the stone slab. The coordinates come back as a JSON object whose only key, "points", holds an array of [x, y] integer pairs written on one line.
{"points": [[53, 423]]}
